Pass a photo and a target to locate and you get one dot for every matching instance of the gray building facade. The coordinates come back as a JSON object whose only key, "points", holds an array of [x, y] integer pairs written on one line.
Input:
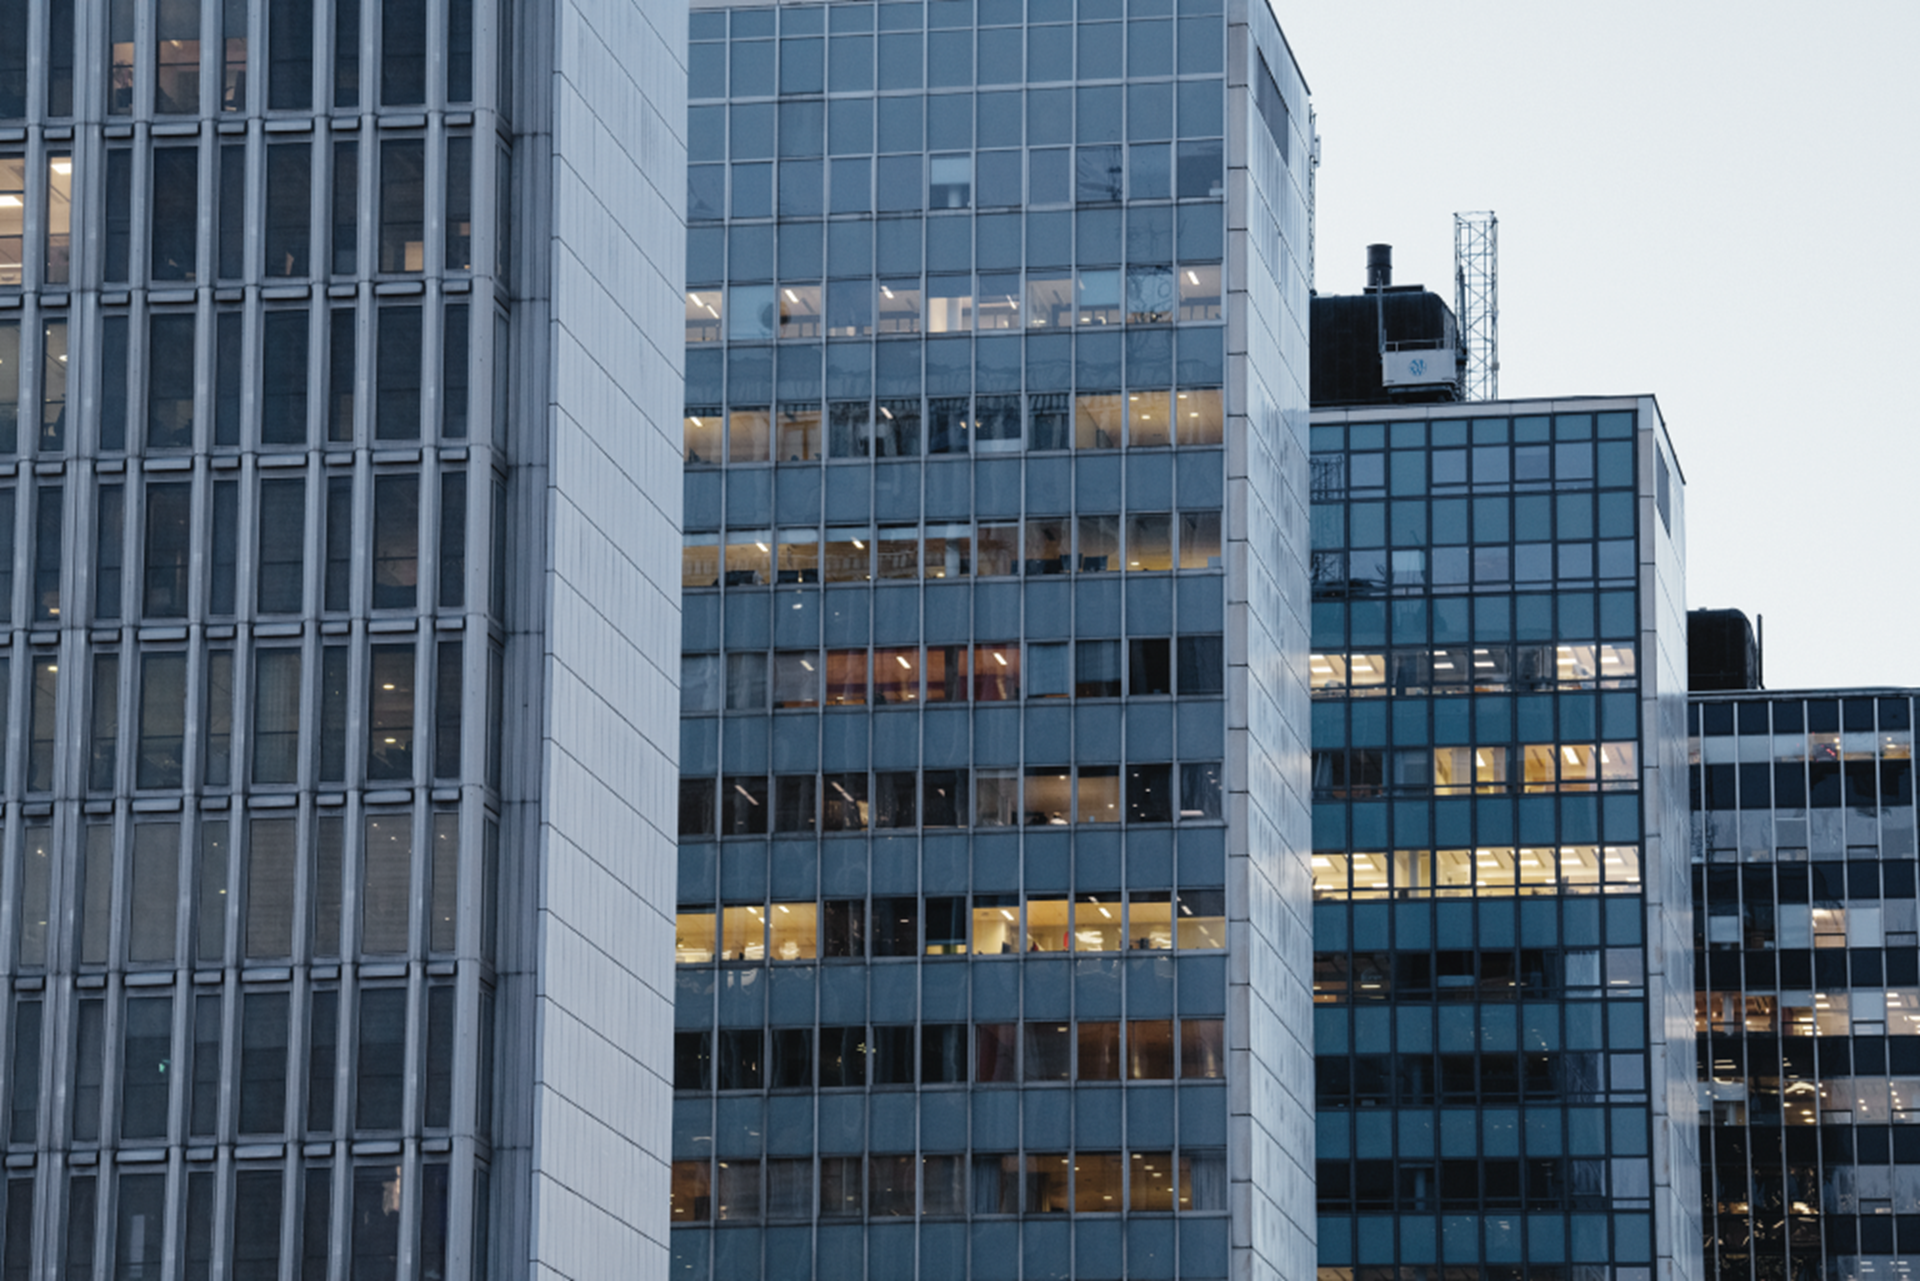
{"points": [[993, 936], [337, 385]]}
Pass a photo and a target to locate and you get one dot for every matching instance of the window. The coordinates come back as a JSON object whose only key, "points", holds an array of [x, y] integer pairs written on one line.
{"points": [[336, 578], [282, 546], [163, 721], [323, 1043], [169, 533], [13, 62], [447, 703], [403, 205], [276, 715], [287, 234], [59, 217], [170, 381], [228, 372], [108, 551], [346, 53], [175, 213], [270, 888], [177, 57], [219, 718], [381, 1084], [263, 1062], [210, 895], [53, 388], [340, 367], [386, 884], [397, 394], [25, 1104], [283, 390], [390, 714], [45, 716], [290, 49], [119, 229], [144, 1082], [345, 235], [403, 52], [10, 377], [453, 373], [396, 540]]}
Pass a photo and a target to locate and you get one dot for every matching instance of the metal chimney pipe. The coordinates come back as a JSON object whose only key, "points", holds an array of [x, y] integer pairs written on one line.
{"points": [[1379, 266]]}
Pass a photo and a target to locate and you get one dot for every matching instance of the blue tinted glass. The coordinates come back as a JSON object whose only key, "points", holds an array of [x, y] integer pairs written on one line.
{"points": [[801, 66], [900, 61], [800, 129], [1100, 113], [1201, 110], [1150, 111], [1000, 119], [949, 121], [1049, 116], [850, 63]]}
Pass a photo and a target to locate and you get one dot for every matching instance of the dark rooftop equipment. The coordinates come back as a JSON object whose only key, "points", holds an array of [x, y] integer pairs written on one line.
{"points": [[1389, 345], [1723, 653]]}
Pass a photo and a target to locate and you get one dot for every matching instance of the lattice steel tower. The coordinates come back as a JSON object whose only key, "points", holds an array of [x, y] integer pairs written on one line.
{"points": [[1476, 282]]}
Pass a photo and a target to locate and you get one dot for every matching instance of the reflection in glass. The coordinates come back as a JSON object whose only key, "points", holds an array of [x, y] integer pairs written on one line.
{"points": [[1200, 292], [899, 307], [1050, 302], [799, 311], [704, 315]]}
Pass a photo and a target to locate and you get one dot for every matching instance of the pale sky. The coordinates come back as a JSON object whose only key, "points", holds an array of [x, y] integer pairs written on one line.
{"points": [[1715, 203]]}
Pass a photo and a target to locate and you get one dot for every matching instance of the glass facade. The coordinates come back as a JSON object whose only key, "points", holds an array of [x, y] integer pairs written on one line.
{"points": [[961, 783], [259, 803], [1808, 986], [1491, 909]]}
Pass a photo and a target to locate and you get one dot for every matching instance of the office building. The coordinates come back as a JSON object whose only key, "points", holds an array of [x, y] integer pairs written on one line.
{"points": [[337, 379], [1808, 968], [993, 951], [1501, 916]]}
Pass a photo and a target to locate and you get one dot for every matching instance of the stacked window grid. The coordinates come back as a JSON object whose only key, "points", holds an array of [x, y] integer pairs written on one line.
{"points": [[945, 719], [1480, 960], [249, 323], [1805, 937]]}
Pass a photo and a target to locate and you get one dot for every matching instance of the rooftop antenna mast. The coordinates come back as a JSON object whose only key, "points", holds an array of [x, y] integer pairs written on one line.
{"points": [[1476, 300]]}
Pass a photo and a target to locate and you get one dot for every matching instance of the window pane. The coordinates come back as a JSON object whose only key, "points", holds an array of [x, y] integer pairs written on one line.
{"points": [[396, 540], [283, 538], [219, 723], [390, 714], [154, 894], [96, 895], [290, 47], [283, 391], [403, 205], [276, 716], [323, 1037], [140, 1227], [103, 754], [403, 52], [210, 894], [168, 544], [25, 1102], [382, 1059], [270, 867], [263, 1063], [53, 388], [163, 720], [176, 87], [345, 236], [397, 396], [387, 886], [453, 539], [287, 234], [145, 1074], [175, 212], [256, 1226], [444, 903]]}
